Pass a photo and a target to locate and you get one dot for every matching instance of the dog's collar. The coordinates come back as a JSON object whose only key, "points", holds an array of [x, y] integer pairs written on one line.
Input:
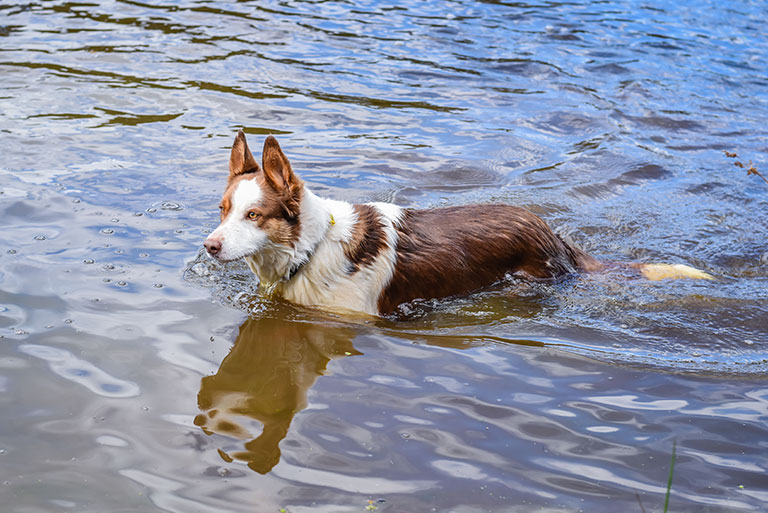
{"points": [[298, 267]]}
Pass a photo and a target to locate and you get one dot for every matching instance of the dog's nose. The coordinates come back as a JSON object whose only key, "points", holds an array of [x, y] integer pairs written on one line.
{"points": [[212, 246]]}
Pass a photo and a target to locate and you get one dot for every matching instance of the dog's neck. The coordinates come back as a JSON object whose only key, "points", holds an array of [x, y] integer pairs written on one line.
{"points": [[278, 264]]}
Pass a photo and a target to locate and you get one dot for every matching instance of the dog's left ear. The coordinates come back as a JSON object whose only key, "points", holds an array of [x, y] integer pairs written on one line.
{"points": [[279, 175], [277, 169]]}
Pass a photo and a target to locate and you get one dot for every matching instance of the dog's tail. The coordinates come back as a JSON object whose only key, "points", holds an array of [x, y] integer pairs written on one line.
{"points": [[656, 272], [652, 272]]}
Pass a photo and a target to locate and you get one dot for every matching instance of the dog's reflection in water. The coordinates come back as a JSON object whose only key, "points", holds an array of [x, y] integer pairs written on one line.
{"points": [[266, 377]]}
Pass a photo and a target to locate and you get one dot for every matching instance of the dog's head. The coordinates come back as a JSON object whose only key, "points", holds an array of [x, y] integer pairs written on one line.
{"points": [[260, 207]]}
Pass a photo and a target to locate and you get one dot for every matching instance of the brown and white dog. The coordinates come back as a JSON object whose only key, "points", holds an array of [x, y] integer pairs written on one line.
{"points": [[372, 257]]}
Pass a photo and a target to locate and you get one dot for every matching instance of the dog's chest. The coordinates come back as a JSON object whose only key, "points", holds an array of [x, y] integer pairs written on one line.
{"points": [[326, 281]]}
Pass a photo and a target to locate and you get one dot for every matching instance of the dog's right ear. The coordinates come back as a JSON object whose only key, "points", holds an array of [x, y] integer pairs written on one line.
{"points": [[241, 160]]}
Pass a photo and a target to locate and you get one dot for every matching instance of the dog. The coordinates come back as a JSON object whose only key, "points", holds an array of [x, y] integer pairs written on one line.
{"points": [[372, 257]]}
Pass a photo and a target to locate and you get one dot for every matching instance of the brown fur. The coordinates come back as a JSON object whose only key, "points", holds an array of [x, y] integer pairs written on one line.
{"points": [[452, 251], [280, 176], [241, 160], [278, 215], [440, 252], [368, 238]]}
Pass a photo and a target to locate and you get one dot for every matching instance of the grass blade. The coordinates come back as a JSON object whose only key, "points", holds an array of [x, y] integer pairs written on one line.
{"points": [[671, 473]]}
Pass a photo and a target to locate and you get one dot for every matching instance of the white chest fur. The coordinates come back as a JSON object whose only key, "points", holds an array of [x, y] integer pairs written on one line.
{"points": [[324, 278]]}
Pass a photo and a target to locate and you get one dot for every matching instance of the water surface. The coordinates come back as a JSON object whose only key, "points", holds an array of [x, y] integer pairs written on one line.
{"points": [[136, 375]]}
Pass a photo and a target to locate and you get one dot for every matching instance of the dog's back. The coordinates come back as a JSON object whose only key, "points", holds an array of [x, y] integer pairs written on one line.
{"points": [[455, 250]]}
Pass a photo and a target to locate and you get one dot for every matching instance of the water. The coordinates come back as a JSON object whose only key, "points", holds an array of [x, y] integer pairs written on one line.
{"points": [[138, 376]]}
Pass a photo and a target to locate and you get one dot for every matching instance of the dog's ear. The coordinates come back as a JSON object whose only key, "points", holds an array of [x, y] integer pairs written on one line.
{"points": [[279, 175], [241, 160], [277, 169]]}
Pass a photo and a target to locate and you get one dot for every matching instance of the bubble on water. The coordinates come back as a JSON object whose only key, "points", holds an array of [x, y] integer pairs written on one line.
{"points": [[143, 255], [115, 220], [68, 321], [158, 285], [76, 200], [178, 231], [145, 408], [11, 251], [88, 261], [39, 237], [138, 214], [171, 205], [107, 231], [151, 210], [122, 283], [108, 267], [120, 251], [106, 280]]}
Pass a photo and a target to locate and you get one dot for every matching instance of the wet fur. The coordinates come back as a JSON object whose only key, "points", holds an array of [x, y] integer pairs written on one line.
{"points": [[373, 257], [455, 250]]}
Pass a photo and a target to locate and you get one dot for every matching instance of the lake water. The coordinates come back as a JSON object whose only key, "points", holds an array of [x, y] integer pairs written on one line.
{"points": [[136, 375]]}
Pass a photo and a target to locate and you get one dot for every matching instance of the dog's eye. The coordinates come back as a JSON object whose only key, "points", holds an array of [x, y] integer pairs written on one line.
{"points": [[221, 207], [253, 215]]}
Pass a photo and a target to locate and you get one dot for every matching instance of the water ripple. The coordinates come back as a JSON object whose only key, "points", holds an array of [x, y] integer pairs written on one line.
{"points": [[82, 372]]}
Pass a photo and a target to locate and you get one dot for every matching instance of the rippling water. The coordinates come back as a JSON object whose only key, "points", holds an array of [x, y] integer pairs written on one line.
{"points": [[135, 375]]}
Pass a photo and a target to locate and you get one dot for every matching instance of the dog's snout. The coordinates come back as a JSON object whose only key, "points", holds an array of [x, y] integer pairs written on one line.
{"points": [[212, 246]]}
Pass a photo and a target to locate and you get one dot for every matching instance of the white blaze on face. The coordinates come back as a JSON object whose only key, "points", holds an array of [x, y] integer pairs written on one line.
{"points": [[239, 235]]}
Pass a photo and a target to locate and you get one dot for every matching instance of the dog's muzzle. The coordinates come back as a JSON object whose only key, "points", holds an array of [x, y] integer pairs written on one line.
{"points": [[212, 246]]}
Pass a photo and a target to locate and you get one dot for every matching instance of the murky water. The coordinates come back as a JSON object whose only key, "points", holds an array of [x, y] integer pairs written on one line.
{"points": [[135, 375]]}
